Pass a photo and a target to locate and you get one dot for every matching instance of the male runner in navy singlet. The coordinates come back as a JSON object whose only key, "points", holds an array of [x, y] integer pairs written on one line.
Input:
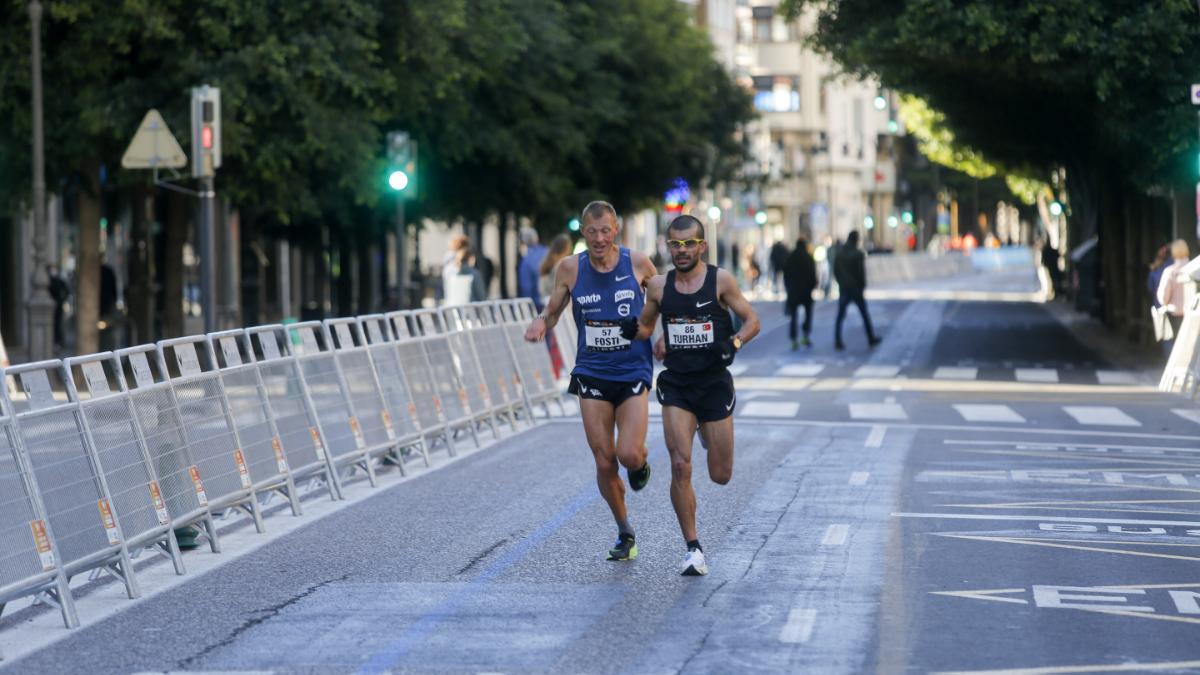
{"points": [[605, 284], [696, 388]]}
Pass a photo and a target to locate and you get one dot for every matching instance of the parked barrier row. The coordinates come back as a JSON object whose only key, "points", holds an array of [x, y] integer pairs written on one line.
{"points": [[105, 456]]}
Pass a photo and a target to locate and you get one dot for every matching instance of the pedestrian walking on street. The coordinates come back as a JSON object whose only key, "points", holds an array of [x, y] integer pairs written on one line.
{"points": [[850, 272], [800, 279], [59, 292], [777, 259], [1172, 295], [696, 389], [605, 284], [461, 281], [560, 247], [1157, 266]]}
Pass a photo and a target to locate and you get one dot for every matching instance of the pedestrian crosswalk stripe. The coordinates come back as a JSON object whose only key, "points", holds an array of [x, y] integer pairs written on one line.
{"points": [[737, 369], [1037, 375], [1115, 377], [801, 370], [948, 373], [1190, 414], [988, 413], [1101, 415], [877, 411], [877, 371], [769, 409]]}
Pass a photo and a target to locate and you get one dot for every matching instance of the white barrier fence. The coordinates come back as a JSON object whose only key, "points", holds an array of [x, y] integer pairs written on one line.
{"points": [[105, 456]]}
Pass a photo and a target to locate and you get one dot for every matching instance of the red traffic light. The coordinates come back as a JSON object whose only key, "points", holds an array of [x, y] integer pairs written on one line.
{"points": [[206, 137]]}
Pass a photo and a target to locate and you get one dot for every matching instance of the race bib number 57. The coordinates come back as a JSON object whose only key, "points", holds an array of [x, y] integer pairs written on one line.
{"points": [[689, 333], [603, 336]]}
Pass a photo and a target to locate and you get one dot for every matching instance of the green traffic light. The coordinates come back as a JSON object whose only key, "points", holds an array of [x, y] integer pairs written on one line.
{"points": [[398, 180], [573, 225], [907, 217]]}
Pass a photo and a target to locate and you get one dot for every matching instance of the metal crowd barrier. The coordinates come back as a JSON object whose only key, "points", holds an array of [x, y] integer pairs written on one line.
{"points": [[58, 452], [108, 455], [1182, 372], [422, 383], [426, 328]]}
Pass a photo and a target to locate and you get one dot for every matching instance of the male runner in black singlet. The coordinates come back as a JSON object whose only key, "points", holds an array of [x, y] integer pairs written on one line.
{"points": [[696, 388]]}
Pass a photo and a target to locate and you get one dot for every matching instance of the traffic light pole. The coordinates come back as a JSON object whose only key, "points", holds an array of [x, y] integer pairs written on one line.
{"points": [[206, 236], [401, 264]]}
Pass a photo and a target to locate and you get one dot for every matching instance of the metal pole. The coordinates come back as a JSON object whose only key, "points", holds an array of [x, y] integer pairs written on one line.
{"points": [[41, 306], [206, 239], [401, 267]]}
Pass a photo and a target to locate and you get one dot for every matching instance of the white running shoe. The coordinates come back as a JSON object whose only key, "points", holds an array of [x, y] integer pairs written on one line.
{"points": [[694, 565]]}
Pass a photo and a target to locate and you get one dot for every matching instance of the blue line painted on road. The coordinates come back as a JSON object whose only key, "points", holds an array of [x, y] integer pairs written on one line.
{"points": [[384, 659]]}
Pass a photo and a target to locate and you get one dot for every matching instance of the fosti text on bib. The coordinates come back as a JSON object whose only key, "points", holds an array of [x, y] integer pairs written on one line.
{"points": [[603, 336], [689, 333]]}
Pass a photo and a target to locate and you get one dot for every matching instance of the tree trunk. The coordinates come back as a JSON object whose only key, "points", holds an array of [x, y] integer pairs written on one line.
{"points": [[174, 237], [87, 267]]}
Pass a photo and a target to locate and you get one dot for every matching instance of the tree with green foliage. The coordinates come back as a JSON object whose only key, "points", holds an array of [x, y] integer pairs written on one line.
{"points": [[1099, 88]]}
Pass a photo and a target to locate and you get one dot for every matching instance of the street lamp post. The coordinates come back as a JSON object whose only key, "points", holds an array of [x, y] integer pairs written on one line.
{"points": [[41, 306]]}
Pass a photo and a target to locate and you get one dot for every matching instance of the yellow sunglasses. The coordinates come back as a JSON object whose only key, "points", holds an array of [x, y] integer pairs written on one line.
{"points": [[684, 243]]}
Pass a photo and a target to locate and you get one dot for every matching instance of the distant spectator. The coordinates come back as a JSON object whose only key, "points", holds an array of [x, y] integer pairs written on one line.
{"points": [[1172, 295], [528, 272], [59, 291], [777, 259], [461, 281], [800, 279], [1157, 267], [753, 271], [560, 247], [850, 270]]}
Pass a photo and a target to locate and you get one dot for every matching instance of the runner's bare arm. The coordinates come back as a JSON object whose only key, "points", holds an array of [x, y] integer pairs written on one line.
{"points": [[643, 267], [731, 296], [654, 292], [564, 279]]}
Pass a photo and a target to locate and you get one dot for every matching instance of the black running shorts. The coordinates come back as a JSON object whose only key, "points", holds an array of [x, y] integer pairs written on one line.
{"points": [[586, 386], [708, 396]]}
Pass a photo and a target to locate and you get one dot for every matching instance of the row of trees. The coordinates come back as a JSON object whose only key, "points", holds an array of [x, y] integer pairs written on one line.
{"points": [[524, 107], [1099, 89]]}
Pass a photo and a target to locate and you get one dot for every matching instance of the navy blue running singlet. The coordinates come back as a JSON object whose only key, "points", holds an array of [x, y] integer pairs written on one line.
{"points": [[599, 302]]}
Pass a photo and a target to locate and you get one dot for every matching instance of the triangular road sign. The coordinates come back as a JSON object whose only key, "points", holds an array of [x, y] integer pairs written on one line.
{"points": [[153, 146]]}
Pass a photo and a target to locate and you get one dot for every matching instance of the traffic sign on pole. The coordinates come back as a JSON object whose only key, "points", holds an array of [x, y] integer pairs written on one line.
{"points": [[153, 146]]}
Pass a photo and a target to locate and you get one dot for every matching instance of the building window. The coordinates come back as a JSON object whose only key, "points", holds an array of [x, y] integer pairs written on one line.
{"points": [[762, 23], [777, 94]]}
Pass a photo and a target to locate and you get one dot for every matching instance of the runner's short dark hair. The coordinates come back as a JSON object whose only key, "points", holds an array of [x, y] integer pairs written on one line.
{"points": [[597, 210], [685, 222]]}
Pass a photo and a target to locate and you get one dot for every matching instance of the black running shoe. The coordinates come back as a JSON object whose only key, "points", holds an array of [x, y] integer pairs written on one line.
{"points": [[639, 478], [625, 548]]}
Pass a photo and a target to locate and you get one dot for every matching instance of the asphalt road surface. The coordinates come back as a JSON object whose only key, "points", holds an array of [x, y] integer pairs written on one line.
{"points": [[979, 493]]}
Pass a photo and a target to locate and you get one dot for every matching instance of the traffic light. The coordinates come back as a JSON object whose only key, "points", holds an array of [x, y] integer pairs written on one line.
{"points": [[402, 163], [206, 131], [573, 225]]}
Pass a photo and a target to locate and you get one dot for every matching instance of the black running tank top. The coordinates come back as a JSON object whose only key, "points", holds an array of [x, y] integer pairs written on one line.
{"points": [[694, 325]]}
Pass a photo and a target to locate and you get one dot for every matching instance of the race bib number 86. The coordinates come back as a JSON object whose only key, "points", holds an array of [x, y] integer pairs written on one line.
{"points": [[603, 336], [689, 334]]}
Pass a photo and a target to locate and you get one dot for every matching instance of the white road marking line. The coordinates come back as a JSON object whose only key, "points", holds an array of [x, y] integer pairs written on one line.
{"points": [[738, 368], [987, 413], [835, 535], [1046, 519], [769, 409], [1068, 670], [1037, 375], [948, 373], [1101, 415], [1189, 414], [1116, 377], [1047, 445], [801, 370], [860, 477], [655, 408], [799, 626], [877, 371], [878, 411], [875, 438]]}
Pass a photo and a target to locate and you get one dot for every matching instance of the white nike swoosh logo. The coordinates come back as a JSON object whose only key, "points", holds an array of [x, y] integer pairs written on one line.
{"points": [[637, 388], [623, 278], [701, 304], [730, 406]]}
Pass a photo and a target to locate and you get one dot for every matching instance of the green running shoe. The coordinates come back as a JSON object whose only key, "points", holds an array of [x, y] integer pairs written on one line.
{"points": [[625, 548]]}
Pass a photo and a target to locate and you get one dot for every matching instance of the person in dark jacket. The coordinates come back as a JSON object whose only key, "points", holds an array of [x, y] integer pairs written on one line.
{"points": [[777, 259], [799, 279], [850, 270]]}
